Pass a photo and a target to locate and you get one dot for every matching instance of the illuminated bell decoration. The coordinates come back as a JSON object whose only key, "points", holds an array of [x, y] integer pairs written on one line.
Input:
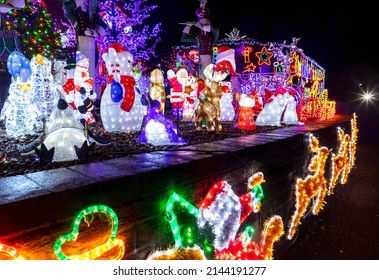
{"points": [[313, 188], [96, 252], [9, 253], [127, 114], [64, 132]]}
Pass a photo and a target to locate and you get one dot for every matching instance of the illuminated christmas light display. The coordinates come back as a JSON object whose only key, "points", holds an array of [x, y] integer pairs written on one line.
{"points": [[243, 248], [213, 225], [353, 140], [178, 82], [158, 130], [246, 115], [42, 86], [157, 90], [9, 253], [340, 161], [191, 95], [209, 108], [91, 253], [64, 132], [124, 20], [79, 90], [20, 112], [35, 30], [120, 106], [313, 187], [271, 113], [227, 112]]}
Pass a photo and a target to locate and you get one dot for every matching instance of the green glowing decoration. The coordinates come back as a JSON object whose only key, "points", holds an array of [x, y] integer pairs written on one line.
{"points": [[91, 253], [182, 217]]}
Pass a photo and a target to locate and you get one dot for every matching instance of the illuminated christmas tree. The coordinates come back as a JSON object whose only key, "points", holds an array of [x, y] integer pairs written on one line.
{"points": [[125, 22], [34, 27]]}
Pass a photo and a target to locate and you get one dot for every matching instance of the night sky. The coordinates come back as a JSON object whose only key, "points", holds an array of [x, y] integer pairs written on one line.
{"points": [[339, 38]]}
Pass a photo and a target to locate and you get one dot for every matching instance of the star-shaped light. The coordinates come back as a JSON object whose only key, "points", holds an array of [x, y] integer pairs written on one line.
{"points": [[264, 57]]}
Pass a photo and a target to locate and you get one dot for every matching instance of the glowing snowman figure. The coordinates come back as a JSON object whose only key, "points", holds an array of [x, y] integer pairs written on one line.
{"points": [[64, 132], [227, 112], [121, 110]]}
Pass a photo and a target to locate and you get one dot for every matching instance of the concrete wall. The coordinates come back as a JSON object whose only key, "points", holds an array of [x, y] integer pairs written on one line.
{"points": [[37, 208]]}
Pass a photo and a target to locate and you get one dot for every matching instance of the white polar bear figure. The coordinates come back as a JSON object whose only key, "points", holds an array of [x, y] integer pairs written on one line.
{"points": [[121, 110], [271, 113], [290, 115]]}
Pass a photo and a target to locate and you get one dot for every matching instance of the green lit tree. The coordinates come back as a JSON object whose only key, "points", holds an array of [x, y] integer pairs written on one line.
{"points": [[34, 27]]}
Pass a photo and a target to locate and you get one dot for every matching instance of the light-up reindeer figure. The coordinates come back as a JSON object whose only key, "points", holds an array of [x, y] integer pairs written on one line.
{"points": [[314, 186], [340, 161], [209, 108]]}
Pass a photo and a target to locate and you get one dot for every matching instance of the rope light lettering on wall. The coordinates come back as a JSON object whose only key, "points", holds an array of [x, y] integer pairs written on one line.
{"points": [[90, 252]]}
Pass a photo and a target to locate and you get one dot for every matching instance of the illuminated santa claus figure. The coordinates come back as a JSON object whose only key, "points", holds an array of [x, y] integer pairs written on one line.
{"points": [[78, 90], [121, 108], [178, 83]]}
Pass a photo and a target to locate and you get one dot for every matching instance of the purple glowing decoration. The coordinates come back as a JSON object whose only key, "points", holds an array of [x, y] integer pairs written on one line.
{"points": [[121, 17], [158, 130]]}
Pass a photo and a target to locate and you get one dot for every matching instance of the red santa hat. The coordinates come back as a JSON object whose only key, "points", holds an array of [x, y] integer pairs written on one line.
{"points": [[226, 59]]}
